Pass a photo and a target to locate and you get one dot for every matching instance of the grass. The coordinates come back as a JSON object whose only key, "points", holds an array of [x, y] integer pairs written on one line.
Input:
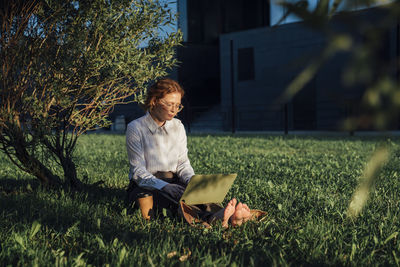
{"points": [[304, 183]]}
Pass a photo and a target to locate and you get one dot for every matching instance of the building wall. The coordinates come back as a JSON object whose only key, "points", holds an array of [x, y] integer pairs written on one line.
{"points": [[279, 53]]}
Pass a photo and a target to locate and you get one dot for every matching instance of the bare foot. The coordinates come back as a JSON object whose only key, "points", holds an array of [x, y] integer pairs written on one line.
{"points": [[242, 214], [247, 213], [228, 212]]}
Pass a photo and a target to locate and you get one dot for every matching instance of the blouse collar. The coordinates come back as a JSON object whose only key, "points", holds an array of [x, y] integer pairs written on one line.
{"points": [[153, 126]]}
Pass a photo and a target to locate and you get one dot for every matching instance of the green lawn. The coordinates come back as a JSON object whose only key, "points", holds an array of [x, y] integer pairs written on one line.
{"points": [[304, 183]]}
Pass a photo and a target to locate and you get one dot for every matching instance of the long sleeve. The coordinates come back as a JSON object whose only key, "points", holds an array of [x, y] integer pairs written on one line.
{"points": [[184, 169], [138, 171]]}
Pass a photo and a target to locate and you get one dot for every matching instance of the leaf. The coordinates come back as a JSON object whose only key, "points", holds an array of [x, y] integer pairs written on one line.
{"points": [[20, 240], [186, 254], [353, 251], [79, 261], [150, 261], [124, 212], [371, 171], [171, 254], [100, 242], [376, 241], [34, 229], [392, 236], [122, 255], [396, 259]]}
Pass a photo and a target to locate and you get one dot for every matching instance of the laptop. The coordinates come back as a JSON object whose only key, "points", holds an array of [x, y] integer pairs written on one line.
{"points": [[206, 188]]}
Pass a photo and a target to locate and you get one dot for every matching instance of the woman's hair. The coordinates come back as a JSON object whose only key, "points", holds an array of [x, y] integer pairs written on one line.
{"points": [[159, 89]]}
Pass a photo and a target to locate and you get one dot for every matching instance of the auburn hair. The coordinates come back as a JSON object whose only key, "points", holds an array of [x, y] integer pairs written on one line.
{"points": [[159, 89]]}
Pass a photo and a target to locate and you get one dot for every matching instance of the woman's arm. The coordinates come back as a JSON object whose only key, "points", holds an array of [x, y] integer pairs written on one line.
{"points": [[138, 171], [184, 169]]}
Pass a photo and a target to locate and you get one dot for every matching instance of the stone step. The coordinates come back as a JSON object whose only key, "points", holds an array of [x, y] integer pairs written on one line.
{"points": [[207, 120]]}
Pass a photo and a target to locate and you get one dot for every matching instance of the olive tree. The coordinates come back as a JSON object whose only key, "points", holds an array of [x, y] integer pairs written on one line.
{"points": [[65, 65]]}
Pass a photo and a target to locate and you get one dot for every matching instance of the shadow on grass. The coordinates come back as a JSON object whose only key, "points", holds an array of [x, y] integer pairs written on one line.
{"points": [[25, 201], [15, 186], [74, 215]]}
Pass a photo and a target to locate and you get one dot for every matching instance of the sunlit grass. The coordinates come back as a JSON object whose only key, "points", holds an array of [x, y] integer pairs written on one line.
{"points": [[304, 183]]}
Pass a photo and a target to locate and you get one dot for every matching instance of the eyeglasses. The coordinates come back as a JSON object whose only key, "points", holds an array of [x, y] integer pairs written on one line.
{"points": [[169, 105]]}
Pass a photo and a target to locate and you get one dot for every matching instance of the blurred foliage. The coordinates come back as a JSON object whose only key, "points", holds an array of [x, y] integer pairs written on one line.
{"points": [[66, 64], [371, 67], [365, 41], [371, 171]]}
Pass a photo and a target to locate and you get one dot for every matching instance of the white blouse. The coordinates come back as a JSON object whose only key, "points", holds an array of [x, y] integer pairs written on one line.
{"points": [[152, 148]]}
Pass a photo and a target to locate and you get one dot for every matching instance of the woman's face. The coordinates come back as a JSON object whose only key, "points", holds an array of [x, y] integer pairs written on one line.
{"points": [[167, 107]]}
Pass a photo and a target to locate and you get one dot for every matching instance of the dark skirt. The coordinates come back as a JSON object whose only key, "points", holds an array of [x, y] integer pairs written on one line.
{"points": [[162, 201]]}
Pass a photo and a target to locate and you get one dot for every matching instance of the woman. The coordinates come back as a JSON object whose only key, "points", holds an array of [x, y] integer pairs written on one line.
{"points": [[157, 151]]}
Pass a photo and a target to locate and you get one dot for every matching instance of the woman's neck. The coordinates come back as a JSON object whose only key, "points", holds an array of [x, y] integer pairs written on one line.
{"points": [[159, 122]]}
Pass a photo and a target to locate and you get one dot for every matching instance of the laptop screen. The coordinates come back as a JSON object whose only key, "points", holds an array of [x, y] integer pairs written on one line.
{"points": [[208, 188]]}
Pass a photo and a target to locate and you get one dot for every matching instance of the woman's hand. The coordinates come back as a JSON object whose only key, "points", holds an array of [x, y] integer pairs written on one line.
{"points": [[174, 190], [188, 180]]}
